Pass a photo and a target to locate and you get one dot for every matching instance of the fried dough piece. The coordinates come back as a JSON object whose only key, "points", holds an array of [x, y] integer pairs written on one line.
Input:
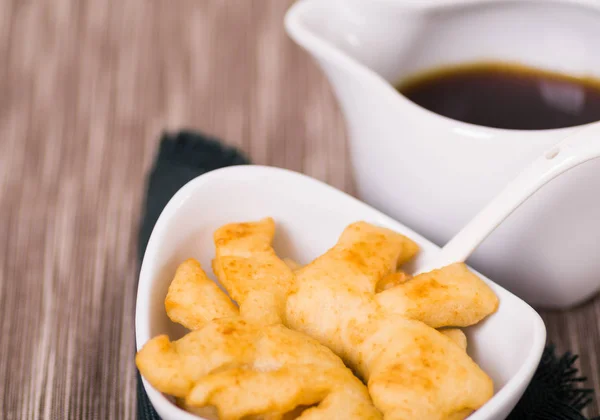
{"points": [[456, 335], [372, 251], [210, 413], [412, 370], [391, 280], [229, 368], [193, 299], [243, 369], [420, 373], [451, 296], [336, 291], [248, 268]]}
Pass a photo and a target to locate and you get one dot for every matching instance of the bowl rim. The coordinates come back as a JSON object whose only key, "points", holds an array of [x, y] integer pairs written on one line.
{"points": [[162, 404]]}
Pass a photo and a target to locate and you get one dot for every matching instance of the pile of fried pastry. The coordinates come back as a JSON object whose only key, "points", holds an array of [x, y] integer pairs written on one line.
{"points": [[347, 336]]}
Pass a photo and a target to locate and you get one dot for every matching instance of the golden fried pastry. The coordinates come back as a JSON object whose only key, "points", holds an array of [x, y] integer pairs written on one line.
{"points": [[244, 369], [231, 368], [335, 292], [248, 268], [391, 280], [194, 299], [416, 372], [460, 298], [412, 370], [456, 335]]}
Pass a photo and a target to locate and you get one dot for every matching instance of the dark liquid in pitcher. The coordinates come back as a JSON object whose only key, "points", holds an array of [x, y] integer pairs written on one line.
{"points": [[506, 96]]}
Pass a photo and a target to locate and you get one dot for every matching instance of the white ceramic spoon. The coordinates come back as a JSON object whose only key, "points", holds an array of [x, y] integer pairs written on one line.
{"points": [[574, 150]]}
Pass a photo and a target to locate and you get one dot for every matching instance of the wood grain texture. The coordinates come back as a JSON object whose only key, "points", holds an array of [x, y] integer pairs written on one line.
{"points": [[86, 89]]}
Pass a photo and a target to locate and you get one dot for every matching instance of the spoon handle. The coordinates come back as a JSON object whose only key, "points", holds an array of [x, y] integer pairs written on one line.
{"points": [[574, 150]]}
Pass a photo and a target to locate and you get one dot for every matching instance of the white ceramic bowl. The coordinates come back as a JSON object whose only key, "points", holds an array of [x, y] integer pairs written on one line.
{"points": [[310, 216]]}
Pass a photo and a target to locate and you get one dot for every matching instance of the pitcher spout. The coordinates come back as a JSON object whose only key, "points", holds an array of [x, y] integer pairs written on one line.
{"points": [[368, 43]]}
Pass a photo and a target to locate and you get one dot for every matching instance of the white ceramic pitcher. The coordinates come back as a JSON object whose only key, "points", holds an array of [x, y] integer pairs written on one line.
{"points": [[433, 173]]}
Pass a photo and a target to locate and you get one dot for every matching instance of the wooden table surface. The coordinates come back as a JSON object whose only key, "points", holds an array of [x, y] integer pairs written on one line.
{"points": [[86, 88]]}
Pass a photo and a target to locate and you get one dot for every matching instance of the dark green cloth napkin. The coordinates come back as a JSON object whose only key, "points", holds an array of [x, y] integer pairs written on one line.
{"points": [[554, 392]]}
